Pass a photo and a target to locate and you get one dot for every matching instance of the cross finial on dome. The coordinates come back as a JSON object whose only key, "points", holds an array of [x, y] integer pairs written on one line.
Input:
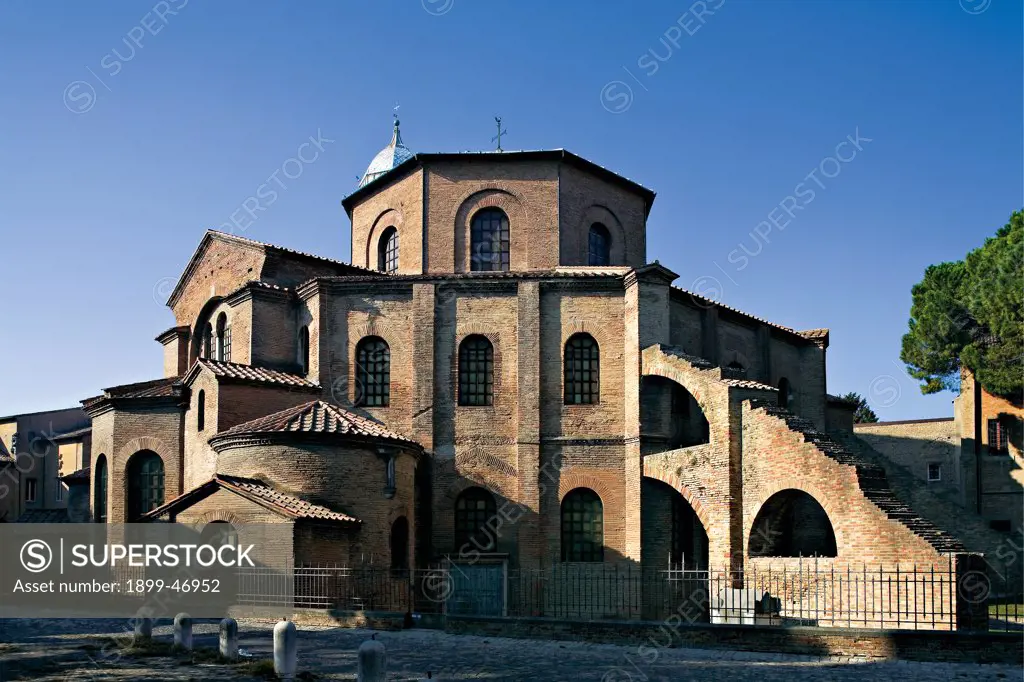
{"points": [[391, 156]]}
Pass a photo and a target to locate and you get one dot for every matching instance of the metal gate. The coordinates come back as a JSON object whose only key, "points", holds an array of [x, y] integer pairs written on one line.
{"points": [[476, 589]]}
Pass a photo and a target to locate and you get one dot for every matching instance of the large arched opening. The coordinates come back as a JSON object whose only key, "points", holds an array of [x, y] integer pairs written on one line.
{"points": [[670, 417], [791, 523], [144, 479]]}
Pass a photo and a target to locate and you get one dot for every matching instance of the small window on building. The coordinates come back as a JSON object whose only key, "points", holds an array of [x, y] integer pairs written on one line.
{"points": [[997, 442], [476, 371], [100, 492], [600, 245], [489, 241], [220, 351], [30, 490], [582, 368], [785, 392], [400, 543], [934, 471], [373, 372], [582, 526], [304, 350], [201, 411], [1001, 525], [207, 347], [475, 510], [58, 494], [387, 251]]}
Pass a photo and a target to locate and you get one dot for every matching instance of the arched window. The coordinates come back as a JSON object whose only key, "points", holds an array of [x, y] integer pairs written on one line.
{"points": [[218, 534], [373, 372], [387, 251], [600, 243], [582, 526], [474, 510], [223, 351], [145, 483], [476, 371], [582, 369], [400, 543], [304, 350], [785, 392], [99, 504], [489, 241], [201, 411], [206, 350]]}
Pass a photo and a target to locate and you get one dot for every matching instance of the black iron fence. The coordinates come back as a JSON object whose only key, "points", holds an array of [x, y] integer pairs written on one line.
{"points": [[804, 593]]}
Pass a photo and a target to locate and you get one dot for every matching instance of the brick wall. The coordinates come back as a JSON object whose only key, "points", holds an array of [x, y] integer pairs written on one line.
{"points": [[398, 205], [349, 479], [916, 444], [583, 200]]}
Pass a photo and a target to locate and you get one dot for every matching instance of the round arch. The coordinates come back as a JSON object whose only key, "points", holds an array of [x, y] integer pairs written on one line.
{"points": [[495, 196], [791, 523], [144, 484]]}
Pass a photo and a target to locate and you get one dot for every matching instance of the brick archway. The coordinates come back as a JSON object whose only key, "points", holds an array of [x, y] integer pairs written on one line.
{"points": [[811, 491], [673, 482]]}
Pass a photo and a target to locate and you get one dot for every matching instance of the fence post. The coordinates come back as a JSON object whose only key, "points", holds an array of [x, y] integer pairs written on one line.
{"points": [[183, 631], [973, 588], [229, 639], [143, 629], [373, 661], [285, 649]]}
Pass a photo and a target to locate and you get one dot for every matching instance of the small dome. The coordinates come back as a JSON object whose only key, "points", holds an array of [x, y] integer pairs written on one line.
{"points": [[388, 158]]}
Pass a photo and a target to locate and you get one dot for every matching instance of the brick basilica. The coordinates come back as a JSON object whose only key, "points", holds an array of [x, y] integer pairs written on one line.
{"points": [[501, 370]]}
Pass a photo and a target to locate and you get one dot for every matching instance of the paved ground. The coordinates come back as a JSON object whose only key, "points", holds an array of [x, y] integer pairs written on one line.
{"points": [[66, 651]]}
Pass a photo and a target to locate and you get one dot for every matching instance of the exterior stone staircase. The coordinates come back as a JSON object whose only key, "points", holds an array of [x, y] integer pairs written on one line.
{"points": [[874, 483], [945, 511]]}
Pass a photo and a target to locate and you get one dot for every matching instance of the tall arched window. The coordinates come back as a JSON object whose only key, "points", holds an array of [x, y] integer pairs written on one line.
{"points": [[400, 543], [785, 392], [387, 251], [582, 526], [600, 243], [489, 241], [582, 369], [373, 372], [476, 371], [145, 483], [474, 510], [223, 350], [304, 350], [201, 411], [99, 504], [206, 349]]}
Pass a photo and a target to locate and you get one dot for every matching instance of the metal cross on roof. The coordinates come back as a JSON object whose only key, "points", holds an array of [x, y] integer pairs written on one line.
{"points": [[497, 119]]}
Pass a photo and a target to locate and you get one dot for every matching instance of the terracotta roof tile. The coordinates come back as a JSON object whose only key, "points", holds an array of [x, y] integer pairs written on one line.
{"points": [[259, 492], [157, 388], [263, 375], [316, 416], [293, 506], [749, 383], [292, 252]]}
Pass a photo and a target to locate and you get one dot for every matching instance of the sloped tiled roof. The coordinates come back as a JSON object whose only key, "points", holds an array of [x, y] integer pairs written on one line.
{"points": [[316, 416], [259, 492], [71, 435], [248, 373], [44, 516], [749, 383], [557, 273], [76, 476], [157, 388]]}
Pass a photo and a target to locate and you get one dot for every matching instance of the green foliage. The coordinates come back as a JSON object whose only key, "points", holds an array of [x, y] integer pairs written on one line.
{"points": [[970, 313], [863, 414]]}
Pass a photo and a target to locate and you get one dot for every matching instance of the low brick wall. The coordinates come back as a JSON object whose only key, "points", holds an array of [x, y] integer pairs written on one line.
{"points": [[914, 645]]}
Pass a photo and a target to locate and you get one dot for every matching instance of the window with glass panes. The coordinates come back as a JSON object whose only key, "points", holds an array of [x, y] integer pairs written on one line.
{"points": [[582, 370], [145, 484], [474, 509], [387, 251], [489, 241], [997, 438], [373, 372], [476, 371], [100, 501], [582, 526], [600, 245]]}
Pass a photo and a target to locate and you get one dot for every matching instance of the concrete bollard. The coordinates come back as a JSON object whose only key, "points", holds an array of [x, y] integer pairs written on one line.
{"points": [[183, 631], [373, 661], [285, 649], [229, 639], [143, 629]]}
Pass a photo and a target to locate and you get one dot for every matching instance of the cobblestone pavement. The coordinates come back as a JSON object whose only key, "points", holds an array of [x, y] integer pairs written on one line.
{"points": [[330, 653]]}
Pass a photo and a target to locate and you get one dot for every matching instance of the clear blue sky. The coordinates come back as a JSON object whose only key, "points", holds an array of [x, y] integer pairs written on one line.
{"points": [[101, 210]]}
